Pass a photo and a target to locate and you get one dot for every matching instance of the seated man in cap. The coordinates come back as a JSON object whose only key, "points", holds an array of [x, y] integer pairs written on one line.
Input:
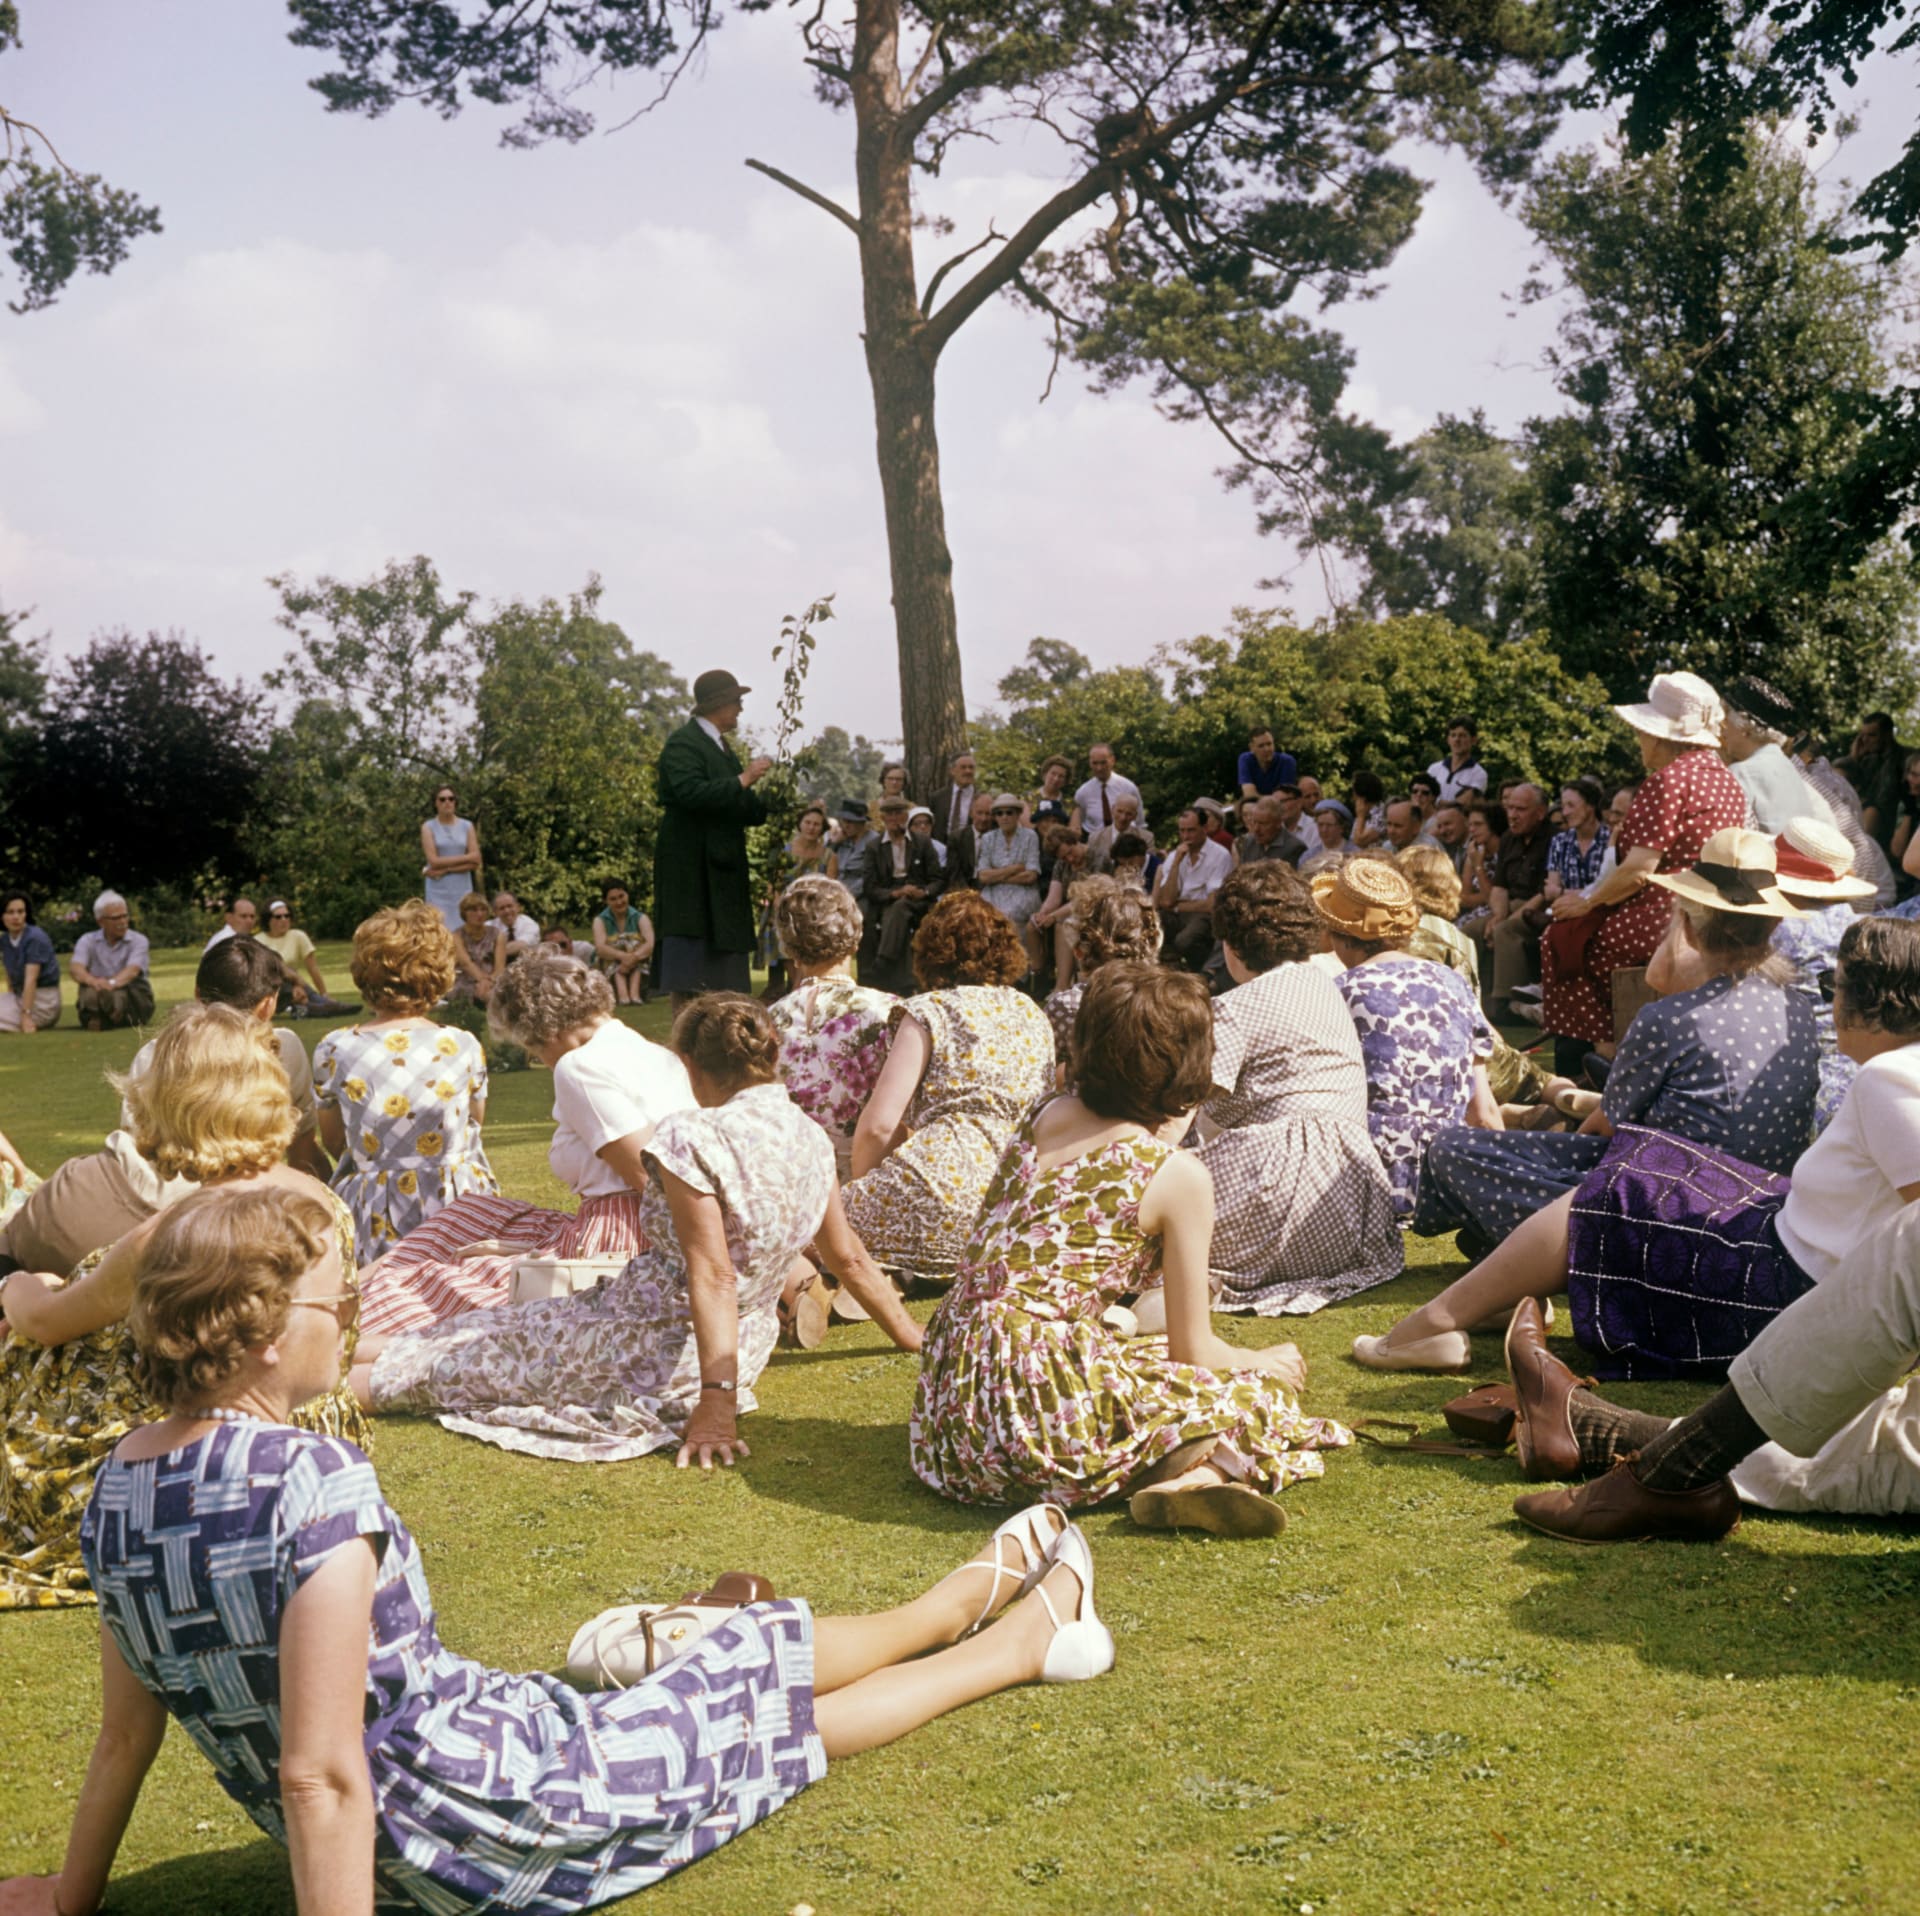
{"points": [[110, 967], [702, 885], [854, 847], [903, 880]]}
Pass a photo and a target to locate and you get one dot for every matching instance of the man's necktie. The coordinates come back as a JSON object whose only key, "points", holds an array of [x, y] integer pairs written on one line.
{"points": [[1106, 805]]}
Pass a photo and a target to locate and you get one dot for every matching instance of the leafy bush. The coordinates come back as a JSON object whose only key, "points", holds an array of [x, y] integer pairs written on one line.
{"points": [[470, 1016]]}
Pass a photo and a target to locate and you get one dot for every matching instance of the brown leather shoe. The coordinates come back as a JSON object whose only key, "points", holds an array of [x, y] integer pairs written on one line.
{"points": [[1485, 1415], [1618, 1508], [1542, 1428]]}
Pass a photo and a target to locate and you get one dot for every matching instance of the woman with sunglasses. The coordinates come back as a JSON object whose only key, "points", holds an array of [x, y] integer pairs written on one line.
{"points": [[211, 1108], [295, 951], [451, 847]]}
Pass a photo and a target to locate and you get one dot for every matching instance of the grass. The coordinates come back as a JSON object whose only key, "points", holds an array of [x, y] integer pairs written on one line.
{"points": [[1407, 1703]]}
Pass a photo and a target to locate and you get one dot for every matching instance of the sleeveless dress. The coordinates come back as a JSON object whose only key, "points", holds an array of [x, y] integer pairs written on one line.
{"points": [[63, 1407], [445, 892], [1024, 1393], [490, 1791]]}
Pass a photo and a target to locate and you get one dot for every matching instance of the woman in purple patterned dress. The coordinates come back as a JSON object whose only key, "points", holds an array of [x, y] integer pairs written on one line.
{"points": [[736, 1191], [834, 1032], [256, 1586]]}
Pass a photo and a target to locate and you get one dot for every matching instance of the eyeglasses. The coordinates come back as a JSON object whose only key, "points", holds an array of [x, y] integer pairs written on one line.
{"points": [[1006, 811], [350, 1298], [279, 914]]}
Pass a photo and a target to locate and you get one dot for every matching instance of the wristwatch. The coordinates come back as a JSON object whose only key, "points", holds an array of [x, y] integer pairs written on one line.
{"points": [[705, 1384]]}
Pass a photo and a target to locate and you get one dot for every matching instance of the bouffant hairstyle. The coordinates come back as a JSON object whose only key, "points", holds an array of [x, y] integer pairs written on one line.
{"points": [[1880, 975], [213, 1099], [217, 1280], [546, 995], [1265, 912], [1116, 923], [730, 1037], [1367, 785], [1436, 885], [964, 941], [1127, 845], [238, 972], [1143, 1043], [403, 958], [817, 922]]}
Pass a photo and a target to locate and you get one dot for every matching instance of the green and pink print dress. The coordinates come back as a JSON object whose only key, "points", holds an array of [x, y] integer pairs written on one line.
{"points": [[1024, 1393]]}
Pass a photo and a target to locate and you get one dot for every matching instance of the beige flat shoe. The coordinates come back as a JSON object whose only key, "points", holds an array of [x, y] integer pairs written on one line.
{"points": [[1227, 1510], [1445, 1350]]}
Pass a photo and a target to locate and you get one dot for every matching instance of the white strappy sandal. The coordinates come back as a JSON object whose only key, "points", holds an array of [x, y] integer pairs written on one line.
{"points": [[1033, 1529], [1082, 1647]]}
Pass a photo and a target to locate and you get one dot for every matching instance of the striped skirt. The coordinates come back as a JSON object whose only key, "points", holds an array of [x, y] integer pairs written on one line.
{"points": [[1673, 1262], [422, 1281]]}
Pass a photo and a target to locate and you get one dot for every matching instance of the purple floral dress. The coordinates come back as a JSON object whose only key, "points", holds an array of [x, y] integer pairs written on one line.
{"points": [[1024, 1393], [1421, 1033], [834, 1036], [490, 1791], [613, 1372]]}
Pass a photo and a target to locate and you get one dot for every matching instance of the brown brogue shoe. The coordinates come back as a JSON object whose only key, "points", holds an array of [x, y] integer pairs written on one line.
{"points": [[1618, 1508], [1542, 1427]]}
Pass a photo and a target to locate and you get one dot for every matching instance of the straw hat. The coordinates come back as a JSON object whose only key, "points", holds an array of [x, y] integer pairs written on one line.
{"points": [[1679, 706], [1814, 860], [1737, 871], [1367, 899]]}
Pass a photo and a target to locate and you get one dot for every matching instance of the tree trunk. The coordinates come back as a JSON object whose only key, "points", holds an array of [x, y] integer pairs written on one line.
{"points": [[900, 367]]}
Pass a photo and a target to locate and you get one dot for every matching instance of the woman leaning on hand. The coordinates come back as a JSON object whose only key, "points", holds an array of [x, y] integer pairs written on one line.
{"points": [[242, 1565]]}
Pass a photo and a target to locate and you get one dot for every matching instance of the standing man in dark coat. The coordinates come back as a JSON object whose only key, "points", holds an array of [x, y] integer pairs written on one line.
{"points": [[702, 888]]}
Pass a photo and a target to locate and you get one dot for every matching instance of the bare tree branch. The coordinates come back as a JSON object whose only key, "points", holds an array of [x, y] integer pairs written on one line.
{"points": [[933, 285], [820, 200], [26, 129], [925, 60], [956, 81]]}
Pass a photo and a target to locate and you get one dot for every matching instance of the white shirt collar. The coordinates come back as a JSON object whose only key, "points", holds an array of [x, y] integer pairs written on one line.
{"points": [[712, 730]]}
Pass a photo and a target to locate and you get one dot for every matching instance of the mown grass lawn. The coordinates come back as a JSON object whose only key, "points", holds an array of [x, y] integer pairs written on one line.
{"points": [[1407, 1703]]}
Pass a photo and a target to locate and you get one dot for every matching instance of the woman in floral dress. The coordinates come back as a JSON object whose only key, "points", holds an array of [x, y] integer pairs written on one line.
{"points": [[611, 1087], [401, 1098], [969, 1055], [1422, 1033], [1024, 1391], [257, 1587], [1688, 795], [1302, 1210], [212, 1108], [833, 1031], [736, 1191]]}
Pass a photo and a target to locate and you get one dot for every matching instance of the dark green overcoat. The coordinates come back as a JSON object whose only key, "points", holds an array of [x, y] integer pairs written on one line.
{"points": [[701, 884]]}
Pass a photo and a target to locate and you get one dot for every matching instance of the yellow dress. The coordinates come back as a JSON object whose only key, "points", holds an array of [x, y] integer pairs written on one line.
{"points": [[63, 1407]]}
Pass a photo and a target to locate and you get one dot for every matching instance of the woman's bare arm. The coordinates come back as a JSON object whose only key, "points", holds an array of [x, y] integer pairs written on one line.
{"points": [[713, 1299], [883, 1123], [45, 1311], [837, 1245], [326, 1794]]}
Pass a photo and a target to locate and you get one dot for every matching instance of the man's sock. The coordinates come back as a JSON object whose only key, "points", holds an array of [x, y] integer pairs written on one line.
{"points": [[1702, 1447], [1607, 1432]]}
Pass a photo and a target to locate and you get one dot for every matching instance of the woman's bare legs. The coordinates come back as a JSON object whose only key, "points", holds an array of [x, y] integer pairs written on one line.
{"points": [[888, 1702], [1531, 1263]]}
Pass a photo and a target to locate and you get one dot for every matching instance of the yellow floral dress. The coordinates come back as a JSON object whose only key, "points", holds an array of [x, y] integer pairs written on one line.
{"points": [[406, 1095], [1024, 1393], [63, 1408]]}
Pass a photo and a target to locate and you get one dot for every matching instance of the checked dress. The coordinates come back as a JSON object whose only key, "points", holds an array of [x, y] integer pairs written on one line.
{"points": [[490, 1791]]}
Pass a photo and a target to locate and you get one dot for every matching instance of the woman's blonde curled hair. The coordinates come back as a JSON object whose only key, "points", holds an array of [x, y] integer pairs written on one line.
{"points": [[1436, 885], [403, 958], [216, 1281], [214, 1099]]}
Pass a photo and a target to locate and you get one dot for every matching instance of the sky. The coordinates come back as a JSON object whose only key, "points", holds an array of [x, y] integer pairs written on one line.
{"points": [[357, 341]]}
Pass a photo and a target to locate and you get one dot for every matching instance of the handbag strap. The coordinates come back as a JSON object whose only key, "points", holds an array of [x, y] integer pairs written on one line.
{"points": [[1364, 1428]]}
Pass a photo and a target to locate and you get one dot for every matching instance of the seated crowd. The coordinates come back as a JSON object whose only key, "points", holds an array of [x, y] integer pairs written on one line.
{"points": [[1087, 1089]]}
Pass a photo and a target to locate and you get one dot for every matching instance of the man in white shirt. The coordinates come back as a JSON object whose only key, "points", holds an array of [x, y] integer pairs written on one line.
{"points": [[1460, 771], [1126, 818], [1093, 803], [243, 920], [1185, 890], [521, 933]]}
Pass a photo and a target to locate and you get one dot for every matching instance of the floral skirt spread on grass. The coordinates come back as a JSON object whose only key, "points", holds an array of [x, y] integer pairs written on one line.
{"points": [[1024, 1393], [63, 1407], [423, 1281]]}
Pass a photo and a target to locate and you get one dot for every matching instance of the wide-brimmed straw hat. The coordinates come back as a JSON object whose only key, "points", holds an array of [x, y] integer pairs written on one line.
{"points": [[1679, 706], [1737, 871], [1366, 899], [1815, 860]]}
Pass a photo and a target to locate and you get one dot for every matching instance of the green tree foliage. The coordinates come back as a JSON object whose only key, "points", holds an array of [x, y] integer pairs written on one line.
{"points": [[147, 769], [1241, 158], [838, 766], [1364, 694], [54, 220], [23, 690], [1721, 359], [570, 720]]}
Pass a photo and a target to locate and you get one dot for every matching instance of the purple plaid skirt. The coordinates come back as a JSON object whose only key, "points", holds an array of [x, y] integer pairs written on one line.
{"points": [[1673, 1263]]}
